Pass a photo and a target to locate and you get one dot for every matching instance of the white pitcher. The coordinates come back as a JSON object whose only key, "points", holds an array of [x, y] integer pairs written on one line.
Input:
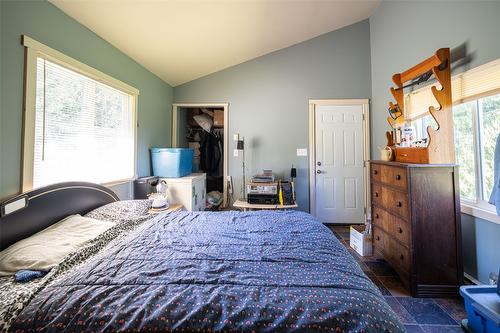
{"points": [[386, 153]]}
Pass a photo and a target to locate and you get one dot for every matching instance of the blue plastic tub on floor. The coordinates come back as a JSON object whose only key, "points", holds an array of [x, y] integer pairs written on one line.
{"points": [[482, 304], [172, 162]]}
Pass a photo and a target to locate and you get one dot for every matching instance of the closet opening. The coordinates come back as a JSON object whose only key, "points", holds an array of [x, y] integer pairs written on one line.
{"points": [[204, 127]]}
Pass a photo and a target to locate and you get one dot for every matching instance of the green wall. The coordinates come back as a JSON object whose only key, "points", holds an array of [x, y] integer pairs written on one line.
{"points": [[47, 24], [404, 33], [269, 99]]}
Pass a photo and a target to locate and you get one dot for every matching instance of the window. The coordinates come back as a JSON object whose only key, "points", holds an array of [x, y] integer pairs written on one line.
{"points": [[79, 125], [464, 116], [476, 115], [477, 125]]}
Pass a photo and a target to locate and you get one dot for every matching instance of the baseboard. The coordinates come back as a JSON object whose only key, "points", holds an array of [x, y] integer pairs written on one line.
{"points": [[437, 291], [472, 279]]}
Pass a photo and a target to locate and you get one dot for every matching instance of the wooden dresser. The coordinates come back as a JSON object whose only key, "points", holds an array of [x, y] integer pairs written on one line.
{"points": [[416, 225]]}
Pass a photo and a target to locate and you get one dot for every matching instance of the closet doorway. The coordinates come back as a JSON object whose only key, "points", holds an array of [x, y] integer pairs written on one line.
{"points": [[205, 127]]}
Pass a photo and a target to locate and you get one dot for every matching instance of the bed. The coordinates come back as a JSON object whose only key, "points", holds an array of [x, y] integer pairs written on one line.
{"points": [[263, 271]]}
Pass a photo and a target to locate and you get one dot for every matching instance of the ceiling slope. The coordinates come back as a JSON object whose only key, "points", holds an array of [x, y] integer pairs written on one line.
{"points": [[183, 40]]}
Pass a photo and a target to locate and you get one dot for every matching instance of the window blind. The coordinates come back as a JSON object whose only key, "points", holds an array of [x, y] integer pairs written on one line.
{"points": [[84, 129], [477, 82], [417, 103], [472, 84]]}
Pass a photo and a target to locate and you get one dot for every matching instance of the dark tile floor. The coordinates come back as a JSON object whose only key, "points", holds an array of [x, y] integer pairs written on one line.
{"points": [[417, 314]]}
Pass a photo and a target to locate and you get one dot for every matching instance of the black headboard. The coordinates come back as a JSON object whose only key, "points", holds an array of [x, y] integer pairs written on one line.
{"points": [[49, 204]]}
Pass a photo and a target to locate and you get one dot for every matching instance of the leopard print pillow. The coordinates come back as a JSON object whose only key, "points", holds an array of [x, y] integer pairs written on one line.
{"points": [[120, 211]]}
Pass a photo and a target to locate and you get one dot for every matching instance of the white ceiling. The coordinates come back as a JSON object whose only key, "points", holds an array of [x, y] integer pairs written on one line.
{"points": [[181, 40]]}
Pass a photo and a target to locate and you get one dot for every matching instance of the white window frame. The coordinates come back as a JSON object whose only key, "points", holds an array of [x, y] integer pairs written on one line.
{"points": [[34, 50], [478, 207]]}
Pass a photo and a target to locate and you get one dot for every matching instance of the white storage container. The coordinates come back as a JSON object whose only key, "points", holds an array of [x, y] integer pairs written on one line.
{"points": [[189, 191], [359, 241]]}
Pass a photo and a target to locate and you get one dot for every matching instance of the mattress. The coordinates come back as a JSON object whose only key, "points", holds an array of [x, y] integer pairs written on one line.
{"points": [[214, 272]]}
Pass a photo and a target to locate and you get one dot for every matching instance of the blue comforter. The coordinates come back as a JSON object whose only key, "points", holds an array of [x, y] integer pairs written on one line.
{"points": [[216, 272]]}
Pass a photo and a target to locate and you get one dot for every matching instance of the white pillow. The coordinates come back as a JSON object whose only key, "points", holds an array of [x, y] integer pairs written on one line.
{"points": [[47, 248]]}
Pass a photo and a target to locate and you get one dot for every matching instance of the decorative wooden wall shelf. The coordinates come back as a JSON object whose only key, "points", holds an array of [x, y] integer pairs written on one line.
{"points": [[440, 148]]}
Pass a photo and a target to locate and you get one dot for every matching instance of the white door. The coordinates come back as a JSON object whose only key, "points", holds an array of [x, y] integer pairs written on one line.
{"points": [[339, 163]]}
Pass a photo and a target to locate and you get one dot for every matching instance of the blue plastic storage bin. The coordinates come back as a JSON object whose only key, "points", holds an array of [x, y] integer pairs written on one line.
{"points": [[482, 304], [172, 162]]}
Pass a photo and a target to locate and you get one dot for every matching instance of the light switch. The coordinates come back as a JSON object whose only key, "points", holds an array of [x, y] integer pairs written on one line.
{"points": [[301, 151], [235, 153]]}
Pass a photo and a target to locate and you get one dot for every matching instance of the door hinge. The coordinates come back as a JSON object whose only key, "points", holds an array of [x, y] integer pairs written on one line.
{"points": [[363, 116]]}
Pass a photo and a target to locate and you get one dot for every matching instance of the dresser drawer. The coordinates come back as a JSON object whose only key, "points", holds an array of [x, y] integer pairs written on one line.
{"points": [[376, 172], [379, 241], [380, 219], [400, 229], [394, 226], [377, 193], [395, 202], [398, 255], [394, 176]]}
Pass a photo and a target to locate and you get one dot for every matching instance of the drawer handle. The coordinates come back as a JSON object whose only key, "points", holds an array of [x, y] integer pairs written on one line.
{"points": [[375, 172], [376, 216], [402, 257], [399, 204], [378, 237], [376, 194], [400, 230], [398, 177]]}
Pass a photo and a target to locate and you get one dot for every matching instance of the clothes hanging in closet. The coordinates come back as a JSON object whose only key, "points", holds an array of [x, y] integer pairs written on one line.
{"points": [[210, 154]]}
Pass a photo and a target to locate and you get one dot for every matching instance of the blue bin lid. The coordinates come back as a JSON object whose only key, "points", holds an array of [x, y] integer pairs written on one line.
{"points": [[484, 300], [172, 150]]}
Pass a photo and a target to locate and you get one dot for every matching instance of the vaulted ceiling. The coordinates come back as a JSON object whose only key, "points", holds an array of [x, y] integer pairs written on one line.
{"points": [[180, 41]]}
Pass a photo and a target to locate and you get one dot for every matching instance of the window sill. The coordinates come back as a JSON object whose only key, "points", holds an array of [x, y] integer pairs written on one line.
{"points": [[488, 215]]}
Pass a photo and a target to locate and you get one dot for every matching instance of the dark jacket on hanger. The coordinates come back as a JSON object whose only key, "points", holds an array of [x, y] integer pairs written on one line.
{"points": [[210, 154]]}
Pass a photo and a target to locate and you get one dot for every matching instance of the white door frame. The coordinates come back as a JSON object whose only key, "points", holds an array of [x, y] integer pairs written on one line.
{"points": [[175, 111], [312, 147]]}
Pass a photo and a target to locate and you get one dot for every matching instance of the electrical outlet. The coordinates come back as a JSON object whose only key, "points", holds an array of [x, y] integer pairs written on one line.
{"points": [[301, 151], [235, 153]]}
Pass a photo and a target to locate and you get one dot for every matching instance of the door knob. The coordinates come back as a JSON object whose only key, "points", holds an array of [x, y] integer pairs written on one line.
{"points": [[319, 163], [318, 172]]}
